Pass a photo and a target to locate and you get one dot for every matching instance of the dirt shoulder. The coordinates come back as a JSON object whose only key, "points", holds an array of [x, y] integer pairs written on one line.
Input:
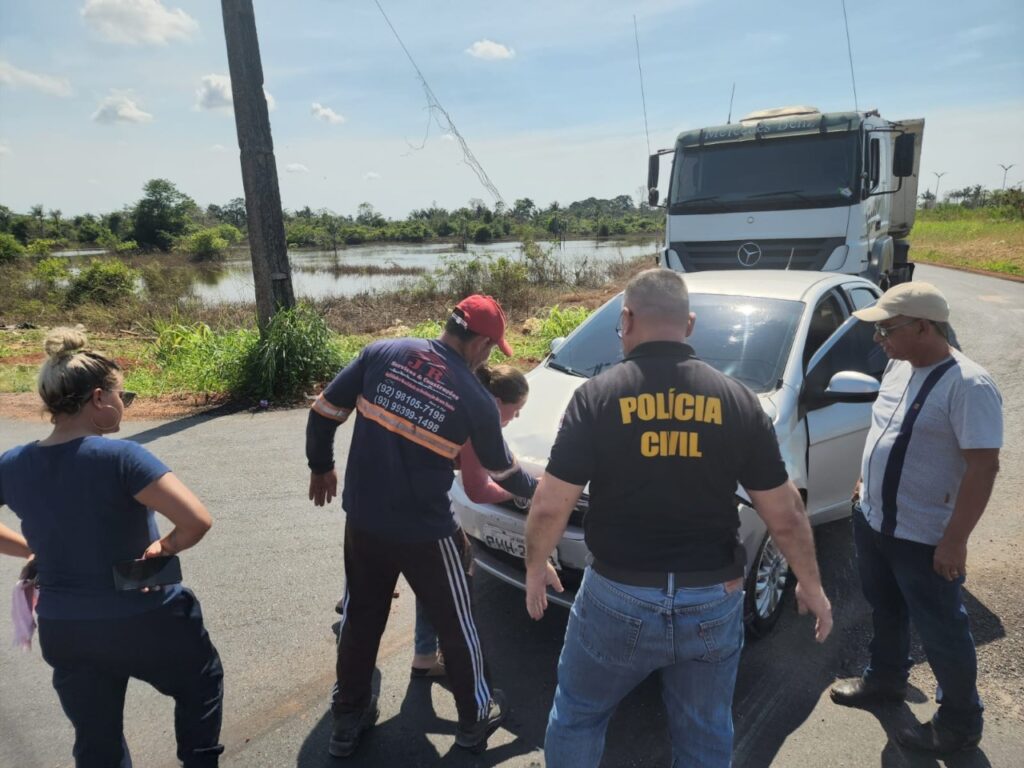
{"points": [[25, 406]]}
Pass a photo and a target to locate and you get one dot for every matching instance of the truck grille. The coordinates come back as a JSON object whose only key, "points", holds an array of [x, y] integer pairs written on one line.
{"points": [[807, 254]]}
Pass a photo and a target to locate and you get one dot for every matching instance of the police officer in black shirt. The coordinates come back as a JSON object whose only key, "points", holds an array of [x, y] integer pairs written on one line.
{"points": [[663, 439]]}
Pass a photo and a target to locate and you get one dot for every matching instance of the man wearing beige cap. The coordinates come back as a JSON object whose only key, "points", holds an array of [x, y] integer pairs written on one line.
{"points": [[930, 459]]}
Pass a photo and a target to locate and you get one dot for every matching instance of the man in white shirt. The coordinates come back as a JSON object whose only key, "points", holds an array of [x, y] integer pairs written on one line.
{"points": [[930, 460]]}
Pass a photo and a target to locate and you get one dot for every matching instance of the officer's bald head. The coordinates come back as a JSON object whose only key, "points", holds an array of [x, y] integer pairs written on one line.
{"points": [[659, 296], [656, 307]]}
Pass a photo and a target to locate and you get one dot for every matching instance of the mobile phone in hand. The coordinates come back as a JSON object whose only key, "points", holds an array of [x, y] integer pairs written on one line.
{"points": [[144, 574]]}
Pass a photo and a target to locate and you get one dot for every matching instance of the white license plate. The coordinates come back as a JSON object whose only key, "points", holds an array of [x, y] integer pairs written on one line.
{"points": [[510, 543]]}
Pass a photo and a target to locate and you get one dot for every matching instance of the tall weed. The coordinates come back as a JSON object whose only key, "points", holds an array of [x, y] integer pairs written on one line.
{"points": [[296, 352]]}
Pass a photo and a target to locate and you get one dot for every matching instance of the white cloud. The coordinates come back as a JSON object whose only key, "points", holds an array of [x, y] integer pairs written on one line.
{"points": [[138, 22], [370, 176], [296, 168], [488, 49], [120, 107], [218, 148], [328, 115], [215, 93], [13, 77], [447, 137], [4, 148]]}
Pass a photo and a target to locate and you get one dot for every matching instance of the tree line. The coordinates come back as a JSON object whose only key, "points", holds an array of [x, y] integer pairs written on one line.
{"points": [[166, 219], [1009, 203]]}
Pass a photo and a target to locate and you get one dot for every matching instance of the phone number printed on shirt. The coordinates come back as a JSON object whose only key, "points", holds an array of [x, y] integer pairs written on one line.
{"points": [[413, 409]]}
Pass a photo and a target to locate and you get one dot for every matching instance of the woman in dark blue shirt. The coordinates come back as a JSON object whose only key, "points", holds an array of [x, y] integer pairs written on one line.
{"points": [[85, 503]]}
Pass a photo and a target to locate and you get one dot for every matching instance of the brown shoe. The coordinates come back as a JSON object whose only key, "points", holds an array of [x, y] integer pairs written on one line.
{"points": [[862, 692]]}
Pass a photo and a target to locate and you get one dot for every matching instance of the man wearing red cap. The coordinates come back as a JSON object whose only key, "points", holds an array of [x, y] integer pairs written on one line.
{"points": [[418, 402]]}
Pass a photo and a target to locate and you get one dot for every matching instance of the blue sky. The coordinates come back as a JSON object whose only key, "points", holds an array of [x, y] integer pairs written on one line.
{"points": [[97, 96]]}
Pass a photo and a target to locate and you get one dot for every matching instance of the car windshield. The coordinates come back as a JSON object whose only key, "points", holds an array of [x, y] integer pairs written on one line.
{"points": [[799, 172], [746, 337]]}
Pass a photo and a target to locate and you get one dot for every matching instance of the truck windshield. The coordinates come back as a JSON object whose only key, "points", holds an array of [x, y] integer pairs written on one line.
{"points": [[746, 337], [815, 171]]}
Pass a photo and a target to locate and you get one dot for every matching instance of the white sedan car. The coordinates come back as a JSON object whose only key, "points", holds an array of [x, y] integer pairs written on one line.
{"points": [[790, 337]]}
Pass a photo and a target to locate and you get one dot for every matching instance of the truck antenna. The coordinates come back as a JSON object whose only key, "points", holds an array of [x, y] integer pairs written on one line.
{"points": [[849, 51], [643, 97], [728, 120]]}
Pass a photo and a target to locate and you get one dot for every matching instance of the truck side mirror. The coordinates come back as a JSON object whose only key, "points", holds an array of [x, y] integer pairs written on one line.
{"points": [[653, 169], [903, 156]]}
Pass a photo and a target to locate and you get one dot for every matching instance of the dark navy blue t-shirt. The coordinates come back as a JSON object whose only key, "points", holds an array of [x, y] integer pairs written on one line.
{"points": [[78, 512], [417, 403]]}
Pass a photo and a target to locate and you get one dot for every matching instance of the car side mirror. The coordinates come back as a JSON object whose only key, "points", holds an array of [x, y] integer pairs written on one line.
{"points": [[845, 387], [851, 387], [556, 343]]}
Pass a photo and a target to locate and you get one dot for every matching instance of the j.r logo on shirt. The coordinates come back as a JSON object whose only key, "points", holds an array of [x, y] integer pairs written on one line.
{"points": [[428, 364]]}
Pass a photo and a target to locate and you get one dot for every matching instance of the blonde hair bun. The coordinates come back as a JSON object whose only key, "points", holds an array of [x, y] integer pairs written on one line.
{"points": [[64, 342]]}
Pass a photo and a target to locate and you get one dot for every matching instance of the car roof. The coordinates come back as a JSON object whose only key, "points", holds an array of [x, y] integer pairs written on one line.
{"points": [[795, 285]]}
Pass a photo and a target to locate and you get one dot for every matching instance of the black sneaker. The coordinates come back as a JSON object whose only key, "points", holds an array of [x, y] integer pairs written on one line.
{"points": [[929, 737], [474, 737], [349, 728]]}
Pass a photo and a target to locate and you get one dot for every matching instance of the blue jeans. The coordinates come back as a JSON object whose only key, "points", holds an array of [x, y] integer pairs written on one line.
{"points": [[425, 638], [617, 636], [901, 585]]}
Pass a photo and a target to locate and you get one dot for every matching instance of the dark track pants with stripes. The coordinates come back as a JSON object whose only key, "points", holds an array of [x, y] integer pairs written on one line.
{"points": [[437, 573]]}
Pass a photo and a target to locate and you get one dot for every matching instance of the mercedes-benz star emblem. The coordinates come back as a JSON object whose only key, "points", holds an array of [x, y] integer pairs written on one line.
{"points": [[748, 254]]}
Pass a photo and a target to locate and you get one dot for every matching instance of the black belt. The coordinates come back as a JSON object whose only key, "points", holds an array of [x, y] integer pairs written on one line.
{"points": [[680, 579]]}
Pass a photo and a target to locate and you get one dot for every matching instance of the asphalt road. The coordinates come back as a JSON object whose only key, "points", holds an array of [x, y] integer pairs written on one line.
{"points": [[270, 572]]}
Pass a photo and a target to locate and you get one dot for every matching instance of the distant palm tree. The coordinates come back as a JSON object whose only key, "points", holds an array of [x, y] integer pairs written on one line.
{"points": [[36, 212], [55, 214]]}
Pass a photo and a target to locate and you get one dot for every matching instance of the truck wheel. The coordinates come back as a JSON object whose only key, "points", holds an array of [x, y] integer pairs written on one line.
{"points": [[767, 585]]}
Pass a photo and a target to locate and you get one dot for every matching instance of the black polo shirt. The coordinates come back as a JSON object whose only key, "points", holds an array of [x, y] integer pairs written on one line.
{"points": [[663, 439]]}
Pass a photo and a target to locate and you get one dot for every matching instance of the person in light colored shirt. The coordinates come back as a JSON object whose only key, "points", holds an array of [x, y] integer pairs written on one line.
{"points": [[929, 464]]}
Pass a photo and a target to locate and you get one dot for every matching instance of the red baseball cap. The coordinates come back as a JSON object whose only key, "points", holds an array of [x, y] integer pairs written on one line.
{"points": [[483, 315]]}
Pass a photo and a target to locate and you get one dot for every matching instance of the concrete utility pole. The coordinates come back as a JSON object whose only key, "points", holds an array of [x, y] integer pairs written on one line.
{"points": [[938, 178], [268, 249], [1005, 169]]}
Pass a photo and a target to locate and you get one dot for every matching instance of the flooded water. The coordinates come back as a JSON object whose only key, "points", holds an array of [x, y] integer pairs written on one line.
{"points": [[321, 274]]}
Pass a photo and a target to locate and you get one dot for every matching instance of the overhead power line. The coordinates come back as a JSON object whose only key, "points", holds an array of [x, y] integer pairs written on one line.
{"points": [[443, 119]]}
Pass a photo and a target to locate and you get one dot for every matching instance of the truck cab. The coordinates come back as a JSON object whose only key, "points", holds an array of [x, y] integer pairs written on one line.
{"points": [[793, 188]]}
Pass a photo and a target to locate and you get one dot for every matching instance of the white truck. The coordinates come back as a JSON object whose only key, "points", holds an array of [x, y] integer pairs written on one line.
{"points": [[793, 188]]}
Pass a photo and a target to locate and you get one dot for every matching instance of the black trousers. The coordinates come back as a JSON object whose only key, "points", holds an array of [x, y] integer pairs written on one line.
{"points": [[168, 648], [437, 573]]}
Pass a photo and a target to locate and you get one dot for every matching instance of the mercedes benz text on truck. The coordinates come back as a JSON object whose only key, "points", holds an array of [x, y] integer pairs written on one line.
{"points": [[793, 188]]}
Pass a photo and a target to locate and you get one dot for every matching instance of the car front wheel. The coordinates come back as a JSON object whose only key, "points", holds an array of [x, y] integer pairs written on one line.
{"points": [[766, 587]]}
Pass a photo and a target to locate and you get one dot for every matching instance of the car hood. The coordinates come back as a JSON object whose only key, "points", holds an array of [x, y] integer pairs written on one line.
{"points": [[531, 436]]}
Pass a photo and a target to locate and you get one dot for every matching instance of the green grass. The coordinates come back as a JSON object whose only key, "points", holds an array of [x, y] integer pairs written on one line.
{"points": [[990, 244], [195, 359], [18, 378]]}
